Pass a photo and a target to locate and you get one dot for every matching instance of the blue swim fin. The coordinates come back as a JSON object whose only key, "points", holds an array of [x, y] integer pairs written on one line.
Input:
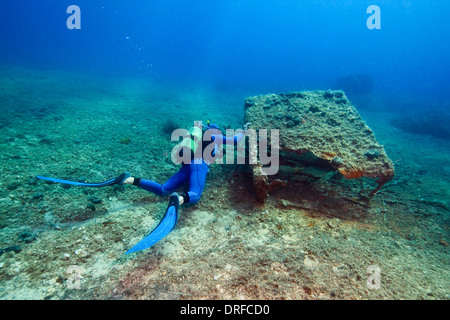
{"points": [[164, 227], [120, 179]]}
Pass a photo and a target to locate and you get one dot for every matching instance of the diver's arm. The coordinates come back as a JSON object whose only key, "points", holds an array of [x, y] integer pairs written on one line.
{"points": [[235, 139], [230, 140]]}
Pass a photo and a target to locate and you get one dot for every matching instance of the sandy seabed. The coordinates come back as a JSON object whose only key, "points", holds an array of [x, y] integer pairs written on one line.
{"points": [[69, 243]]}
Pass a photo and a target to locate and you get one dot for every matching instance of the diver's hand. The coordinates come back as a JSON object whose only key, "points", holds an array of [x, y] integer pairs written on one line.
{"points": [[245, 127]]}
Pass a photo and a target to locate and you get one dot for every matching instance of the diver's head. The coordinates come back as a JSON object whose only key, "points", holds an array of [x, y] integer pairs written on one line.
{"points": [[211, 126]]}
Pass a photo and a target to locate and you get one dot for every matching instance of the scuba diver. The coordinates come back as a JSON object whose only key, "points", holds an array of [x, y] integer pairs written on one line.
{"points": [[195, 154]]}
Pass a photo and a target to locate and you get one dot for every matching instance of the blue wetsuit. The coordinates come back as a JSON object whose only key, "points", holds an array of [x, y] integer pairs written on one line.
{"points": [[194, 172]]}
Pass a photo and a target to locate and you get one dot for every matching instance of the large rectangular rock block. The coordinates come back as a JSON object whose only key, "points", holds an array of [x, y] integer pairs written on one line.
{"points": [[325, 124]]}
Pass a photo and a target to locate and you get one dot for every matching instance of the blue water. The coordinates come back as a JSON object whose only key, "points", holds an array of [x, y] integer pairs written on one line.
{"points": [[268, 46]]}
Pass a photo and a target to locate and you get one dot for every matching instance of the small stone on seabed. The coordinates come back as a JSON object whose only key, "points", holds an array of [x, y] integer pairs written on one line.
{"points": [[333, 223]]}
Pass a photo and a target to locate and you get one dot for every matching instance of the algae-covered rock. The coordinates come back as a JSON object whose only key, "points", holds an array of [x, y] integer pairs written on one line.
{"points": [[325, 124]]}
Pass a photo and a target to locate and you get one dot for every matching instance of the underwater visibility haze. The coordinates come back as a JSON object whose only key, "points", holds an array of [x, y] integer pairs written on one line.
{"points": [[355, 96]]}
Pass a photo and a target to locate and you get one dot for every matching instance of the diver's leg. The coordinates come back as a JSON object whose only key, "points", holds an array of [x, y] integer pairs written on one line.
{"points": [[197, 180], [170, 185]]}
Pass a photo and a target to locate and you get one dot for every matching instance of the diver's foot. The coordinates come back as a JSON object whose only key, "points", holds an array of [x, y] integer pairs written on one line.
{"points": [[121, 179], [183, 198], [174, 200], [129, 180]]}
